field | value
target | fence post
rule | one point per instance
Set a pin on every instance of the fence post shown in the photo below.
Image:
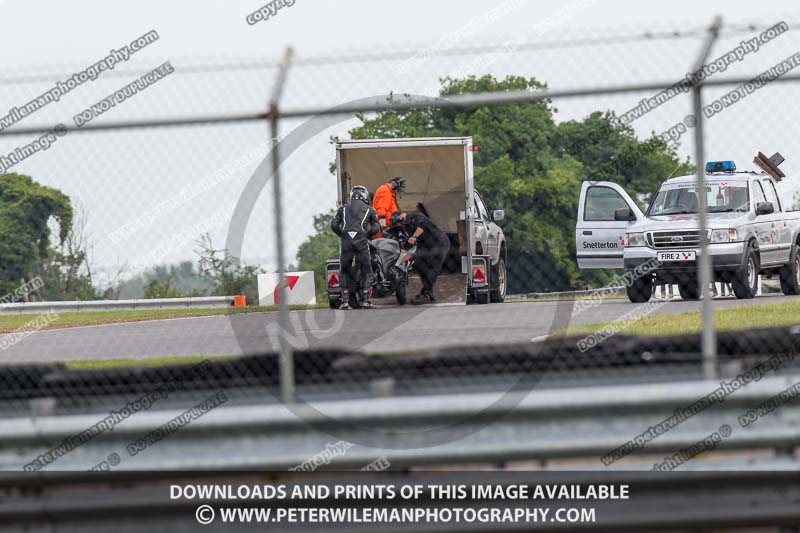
(286, 355)
(708, 335)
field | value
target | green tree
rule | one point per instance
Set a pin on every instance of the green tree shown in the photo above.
(228, 275)
(66, 271)
(26, 208)
(162, 289)
(532, 167)
(319, 247)
(175, 281)
(161, 281)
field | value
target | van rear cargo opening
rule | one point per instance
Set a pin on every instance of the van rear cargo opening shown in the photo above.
(439, 184)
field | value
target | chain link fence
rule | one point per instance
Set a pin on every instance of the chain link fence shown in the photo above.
(564, 180)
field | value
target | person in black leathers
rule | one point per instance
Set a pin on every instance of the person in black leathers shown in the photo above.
(432, 247)
(355, 223)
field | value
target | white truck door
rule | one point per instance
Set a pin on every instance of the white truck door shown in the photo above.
(780, 235)
(599, 238)
(483, 228)
(481, 231)
(765, 228)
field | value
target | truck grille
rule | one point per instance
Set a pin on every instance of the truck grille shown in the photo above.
(674, 239)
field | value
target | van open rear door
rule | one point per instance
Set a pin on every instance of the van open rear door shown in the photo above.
(599, 238)
(438, 174)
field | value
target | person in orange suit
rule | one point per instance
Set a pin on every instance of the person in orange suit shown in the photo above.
(385, 201)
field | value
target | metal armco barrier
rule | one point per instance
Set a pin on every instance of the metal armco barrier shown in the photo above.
(435, 430)
(588, 294)
(551, 363)
(116, 305)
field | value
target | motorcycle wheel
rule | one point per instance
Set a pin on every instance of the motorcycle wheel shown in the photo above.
(400, 292)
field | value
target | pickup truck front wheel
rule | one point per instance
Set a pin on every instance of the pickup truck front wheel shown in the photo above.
(690, 289)
(640, 290)
(790, 274)
(745, 283)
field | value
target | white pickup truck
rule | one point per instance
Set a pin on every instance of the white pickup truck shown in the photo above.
(753, 226)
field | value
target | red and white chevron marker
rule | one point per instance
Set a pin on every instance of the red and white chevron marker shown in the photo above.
(299, 285)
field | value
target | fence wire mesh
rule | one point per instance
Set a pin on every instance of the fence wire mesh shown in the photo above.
(570, 291)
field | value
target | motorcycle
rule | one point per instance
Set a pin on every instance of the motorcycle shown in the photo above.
(391, 262)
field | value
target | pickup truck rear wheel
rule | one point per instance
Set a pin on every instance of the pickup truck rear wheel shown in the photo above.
(745, 282)
(790, 274)
(640, 290)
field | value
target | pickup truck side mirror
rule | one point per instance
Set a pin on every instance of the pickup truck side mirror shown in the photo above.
(624, 213)
(764, 208)
(498, 215)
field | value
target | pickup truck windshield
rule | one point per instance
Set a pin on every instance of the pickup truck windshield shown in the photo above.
(721, 197)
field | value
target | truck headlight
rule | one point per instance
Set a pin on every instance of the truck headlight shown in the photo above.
(723, 235)
(635, 239)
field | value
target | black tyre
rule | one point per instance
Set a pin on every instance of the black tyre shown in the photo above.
(400, 292)
(640, 290)
(334, 303)
(790, 274)
(690, 289)
(482, 297)
(499, 282)
(745, 281)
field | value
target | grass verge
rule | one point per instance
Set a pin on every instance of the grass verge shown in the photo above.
(9, 323)
(728, 319)
(106, 364)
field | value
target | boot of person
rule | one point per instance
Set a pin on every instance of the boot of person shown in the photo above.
(421, 298)
(366, 301)
(345, 305)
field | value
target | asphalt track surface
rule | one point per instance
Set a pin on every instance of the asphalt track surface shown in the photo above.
(393, 329)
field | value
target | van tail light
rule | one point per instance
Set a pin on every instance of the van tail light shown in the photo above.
(479, 265)
(333, 279)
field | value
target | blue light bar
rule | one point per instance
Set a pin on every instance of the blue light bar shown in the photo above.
(720, 166)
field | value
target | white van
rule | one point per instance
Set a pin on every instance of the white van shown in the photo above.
(439, 183)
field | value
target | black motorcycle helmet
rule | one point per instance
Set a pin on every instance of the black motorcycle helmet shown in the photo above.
(398, 184)
(396, 219)
(359, 192)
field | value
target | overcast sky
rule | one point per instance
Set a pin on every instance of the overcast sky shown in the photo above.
(118, 176)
